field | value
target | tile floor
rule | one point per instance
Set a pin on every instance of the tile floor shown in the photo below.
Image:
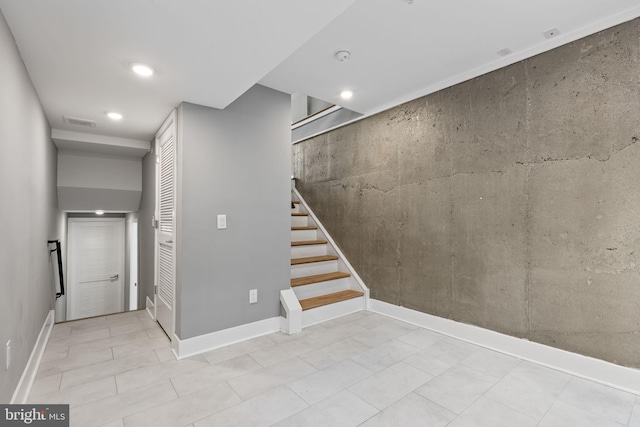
(359, 370)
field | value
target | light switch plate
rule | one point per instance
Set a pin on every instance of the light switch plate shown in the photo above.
(222, 222)
(253, 296)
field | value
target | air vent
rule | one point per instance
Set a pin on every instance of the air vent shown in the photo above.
(79, 122)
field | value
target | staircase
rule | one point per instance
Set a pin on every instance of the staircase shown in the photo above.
(320, 280)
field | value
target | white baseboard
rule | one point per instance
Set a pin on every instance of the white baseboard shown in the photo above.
(151, 308)
(332, 311)
(21, 393)
(202, 343)
(626, 379)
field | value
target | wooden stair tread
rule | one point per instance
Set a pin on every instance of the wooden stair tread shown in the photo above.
(296, 202)
(321, 300)
(310, 259)
(306, 227)
(308, 242)
(299, 214)
(317, 278)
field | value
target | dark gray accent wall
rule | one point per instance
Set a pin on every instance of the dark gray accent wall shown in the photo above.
(509, 201)
(28, 213)
(146, 232)
(236, 162)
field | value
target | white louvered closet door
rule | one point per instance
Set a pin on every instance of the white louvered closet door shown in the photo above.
(165, 246)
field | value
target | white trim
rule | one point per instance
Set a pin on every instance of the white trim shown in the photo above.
(333, 244)
(626, 379)
(292, 324)
(151, 308)
(21, 393)
(202, 343)
(315, 117)
(332, 311)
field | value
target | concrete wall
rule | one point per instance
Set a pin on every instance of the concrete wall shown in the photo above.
(89, 182)
(509, 201)
(236, 162)
(28, 213)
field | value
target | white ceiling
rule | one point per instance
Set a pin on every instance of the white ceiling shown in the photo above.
(209, 52)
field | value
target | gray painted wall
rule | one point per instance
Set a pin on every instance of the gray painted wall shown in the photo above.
(146, 232)
(236, 162)
(93, 181)
(28, 213)
(509, 201)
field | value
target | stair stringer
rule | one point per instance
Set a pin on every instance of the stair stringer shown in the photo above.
(321, 314)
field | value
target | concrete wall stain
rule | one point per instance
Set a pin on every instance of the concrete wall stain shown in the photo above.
(509, 201)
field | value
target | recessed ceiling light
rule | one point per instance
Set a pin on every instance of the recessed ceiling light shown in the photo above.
(142, 69)
(114, 116)
(346, 94)
(99, 212)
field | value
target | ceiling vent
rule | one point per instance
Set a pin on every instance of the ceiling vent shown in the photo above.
(79, 122)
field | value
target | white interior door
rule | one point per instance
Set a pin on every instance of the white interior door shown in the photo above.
(133, 264)
(165, 233)
(96, 267)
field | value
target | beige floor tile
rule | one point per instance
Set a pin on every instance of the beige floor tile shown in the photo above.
(153, 373)
(424, 379)
(270, 377)
(79, 338)
(487, 413)
(141, 346)
(599, 399)
(261, 411)
(412, 410)
(333, 353)
(457, 388)
(56, 353)
(45, 385)
(383, 333)
(212, 374)
(234, 350)
(276, 354)
(112, 408)
(107, 369)
(187, 409)
(390, 385)
(82, 394)
(328, 336)
(421, 338)
(323, 384)
(74, 362)
(343, 409)
(385, 355)
(165, 354)
(107, 342)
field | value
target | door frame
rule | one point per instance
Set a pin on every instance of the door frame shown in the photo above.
(71, 260)
(170, 122)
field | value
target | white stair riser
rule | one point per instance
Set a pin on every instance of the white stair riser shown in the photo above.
(310, 269)
(305, 251)
(298, 235)
(322, 288)
(296, 208)
(331, 311)
(299, 221)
